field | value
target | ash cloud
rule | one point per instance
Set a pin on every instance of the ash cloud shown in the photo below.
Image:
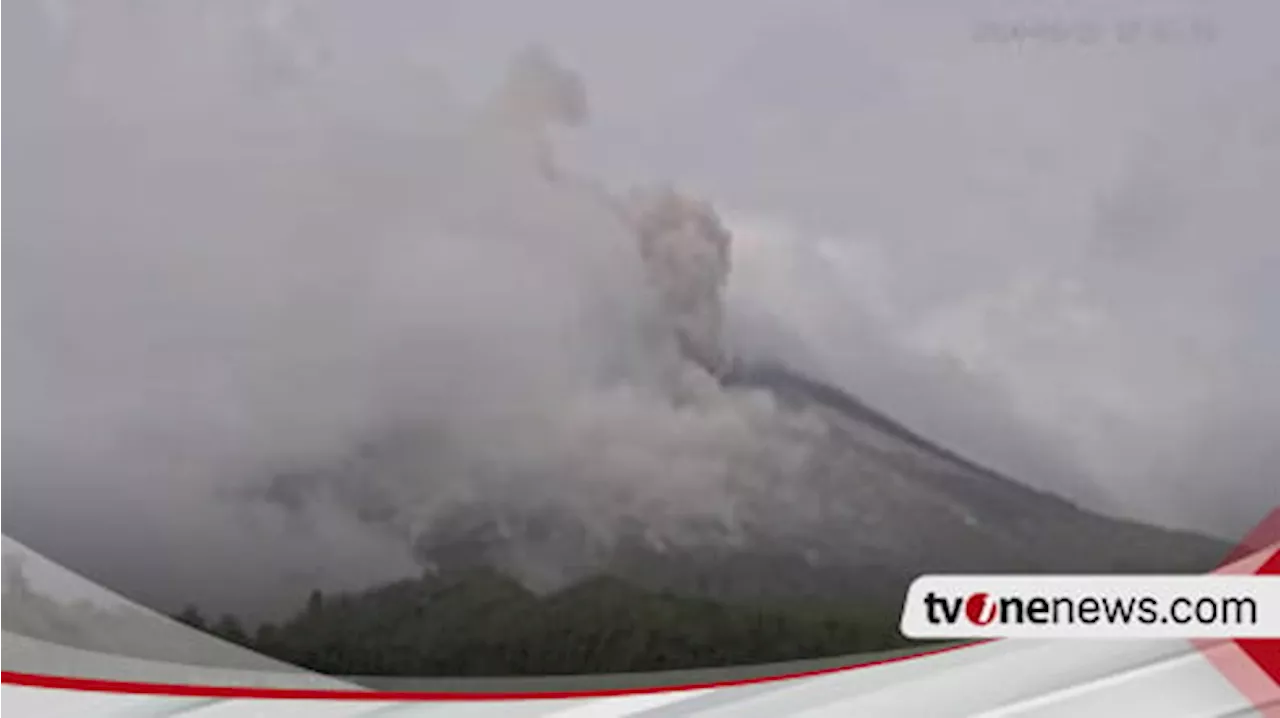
(686, 249)
(274, 249)
(222, 293)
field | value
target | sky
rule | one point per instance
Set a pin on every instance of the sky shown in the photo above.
(246, 233)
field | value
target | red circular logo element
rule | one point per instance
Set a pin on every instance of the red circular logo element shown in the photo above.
(979, 610)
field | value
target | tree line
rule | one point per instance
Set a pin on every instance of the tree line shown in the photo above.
(482, 623)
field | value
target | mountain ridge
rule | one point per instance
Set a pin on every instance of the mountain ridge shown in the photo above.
(890, 505)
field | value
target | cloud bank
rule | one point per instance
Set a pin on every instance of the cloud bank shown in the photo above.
(218, 289)
(257, 240)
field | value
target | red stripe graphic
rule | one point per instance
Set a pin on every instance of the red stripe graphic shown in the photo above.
(196, 691)
(1264, 653)
(1252, 665)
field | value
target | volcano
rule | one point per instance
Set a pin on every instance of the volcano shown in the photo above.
(876, 506)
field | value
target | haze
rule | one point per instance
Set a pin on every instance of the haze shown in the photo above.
(244, 237)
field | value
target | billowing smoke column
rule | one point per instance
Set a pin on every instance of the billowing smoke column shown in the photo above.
(682, 242)
(664, 448)
(686, 251)
(538, 93)
(538, 88)
(297, 332)
(277, 255)
(622, 456)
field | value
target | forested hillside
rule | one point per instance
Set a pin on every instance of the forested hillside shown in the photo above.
(484, 624)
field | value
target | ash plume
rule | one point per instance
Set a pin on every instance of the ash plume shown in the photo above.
(304, 296)
(537, 95)
(687, 251)
(372, 334)
(656, 442)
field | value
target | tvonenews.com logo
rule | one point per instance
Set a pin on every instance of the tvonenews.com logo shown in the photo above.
(983, 609)
(1092, 606)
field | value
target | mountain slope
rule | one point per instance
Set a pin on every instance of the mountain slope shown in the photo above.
(874, 506)
(816, 567)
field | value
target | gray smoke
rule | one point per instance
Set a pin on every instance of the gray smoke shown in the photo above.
(686, 249)
(276, 249)
(221, 292)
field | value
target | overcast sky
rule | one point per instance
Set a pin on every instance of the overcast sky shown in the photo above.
(1060, 255)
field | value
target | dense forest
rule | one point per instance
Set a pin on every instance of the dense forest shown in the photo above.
(482, 623)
